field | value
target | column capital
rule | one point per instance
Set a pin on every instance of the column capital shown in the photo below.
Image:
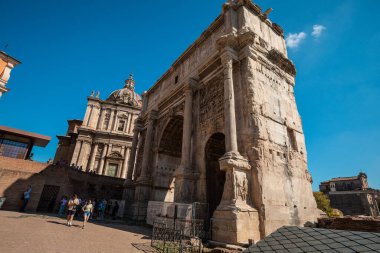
(228, 55)
(228, 40)
(191, 85)
(153, 115)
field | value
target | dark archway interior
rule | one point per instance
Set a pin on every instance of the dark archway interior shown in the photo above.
(215, 178)
(168, 159)
(171, 140)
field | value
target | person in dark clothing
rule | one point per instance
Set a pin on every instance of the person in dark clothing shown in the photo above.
(26, 198)
(115, 210)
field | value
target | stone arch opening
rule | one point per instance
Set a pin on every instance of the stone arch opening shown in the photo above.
(168, 159)
(215, 178)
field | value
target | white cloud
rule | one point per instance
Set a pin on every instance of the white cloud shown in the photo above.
(293, 40)
(317, 30)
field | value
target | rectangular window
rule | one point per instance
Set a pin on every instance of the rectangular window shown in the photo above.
(176, 80)
(13, 149)
(121, 126)
(112, 169)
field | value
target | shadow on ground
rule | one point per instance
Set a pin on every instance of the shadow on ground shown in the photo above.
(144, 231)
(145, 247)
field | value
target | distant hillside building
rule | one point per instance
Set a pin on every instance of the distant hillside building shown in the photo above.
(101, 143)
(7, 63)
(351, 195)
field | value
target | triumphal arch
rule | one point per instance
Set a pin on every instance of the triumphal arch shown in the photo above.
(221, 126)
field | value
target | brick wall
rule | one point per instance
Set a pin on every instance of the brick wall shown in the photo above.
(21, 165)
(16, 175)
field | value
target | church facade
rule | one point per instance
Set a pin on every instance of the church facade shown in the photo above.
(101, 142)
(222, 127)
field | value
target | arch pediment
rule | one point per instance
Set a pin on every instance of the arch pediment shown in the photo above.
(115, 155)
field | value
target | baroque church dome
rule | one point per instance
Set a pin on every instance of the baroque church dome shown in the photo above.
(126, 95)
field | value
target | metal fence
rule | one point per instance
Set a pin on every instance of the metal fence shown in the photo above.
(175, 239)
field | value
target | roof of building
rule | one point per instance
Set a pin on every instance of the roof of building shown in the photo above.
(337, 179)
(300, 239)
(126, 95)
(9, 58)
(38, 139)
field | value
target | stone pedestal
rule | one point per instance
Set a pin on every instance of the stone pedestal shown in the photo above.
(184, 186)
(138, 210)
(235, 221)
(235, 226)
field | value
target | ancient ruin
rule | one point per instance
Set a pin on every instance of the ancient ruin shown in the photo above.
(221, 127)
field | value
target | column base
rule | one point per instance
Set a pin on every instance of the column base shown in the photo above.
(137, 211)
(184, 185)
(235, 226)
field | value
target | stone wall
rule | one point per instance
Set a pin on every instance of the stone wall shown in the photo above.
(354, 203)
(16, 175)
(350, 224)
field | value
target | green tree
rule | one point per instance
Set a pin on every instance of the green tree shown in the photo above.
(323, 203)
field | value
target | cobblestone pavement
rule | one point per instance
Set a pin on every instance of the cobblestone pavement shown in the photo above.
(35, 233)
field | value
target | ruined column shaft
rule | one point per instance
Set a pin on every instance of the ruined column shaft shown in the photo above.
(186, 134)
(229, 102)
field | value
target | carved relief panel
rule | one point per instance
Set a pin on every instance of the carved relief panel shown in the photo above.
(211, 105)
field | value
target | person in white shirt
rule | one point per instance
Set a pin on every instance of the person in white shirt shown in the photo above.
(71, 209)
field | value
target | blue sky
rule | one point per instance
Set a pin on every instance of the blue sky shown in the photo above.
(69, 48)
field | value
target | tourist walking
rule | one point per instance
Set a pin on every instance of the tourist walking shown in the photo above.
(62, 206)
(72, 208)
(87, 210)
(26, 198)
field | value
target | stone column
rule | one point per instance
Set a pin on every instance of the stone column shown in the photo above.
(132, 156)
(109, 150)
(234, 211)
(229, 101)
(120, 168)
(183, 174)
(74, 159)
(83, 155)
(87, 115)
(101, 119)
(92, 157)
(138, 210)
(148, 146)
(130, 115)
(110, 123)
(114, 126)
(125, 163)
(102, 158)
